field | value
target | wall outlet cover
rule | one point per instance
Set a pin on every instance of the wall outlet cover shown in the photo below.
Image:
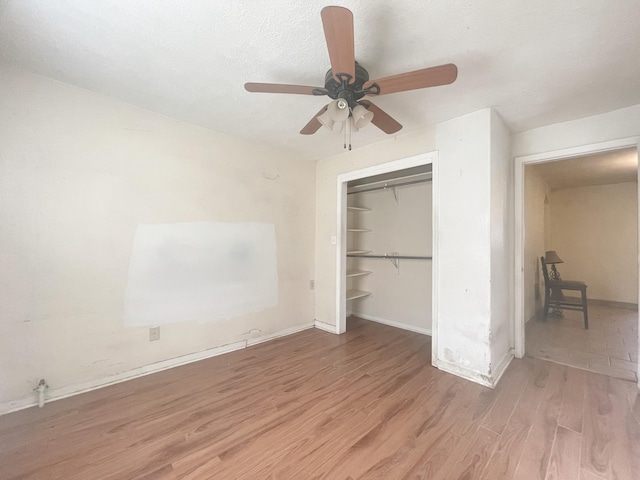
(154, 334)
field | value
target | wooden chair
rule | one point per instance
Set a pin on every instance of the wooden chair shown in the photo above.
(554, 296)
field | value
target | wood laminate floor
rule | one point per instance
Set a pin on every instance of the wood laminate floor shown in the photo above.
(363, 405)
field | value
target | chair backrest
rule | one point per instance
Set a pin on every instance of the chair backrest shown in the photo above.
(545, 272)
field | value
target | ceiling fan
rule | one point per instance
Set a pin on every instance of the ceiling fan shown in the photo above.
(347, 82)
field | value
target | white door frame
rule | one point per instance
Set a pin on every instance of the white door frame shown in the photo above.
(520, 163)
(341, 246)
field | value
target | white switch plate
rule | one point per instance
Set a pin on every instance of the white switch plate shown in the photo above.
(334, 240)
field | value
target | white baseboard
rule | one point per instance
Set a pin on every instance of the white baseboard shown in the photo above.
(490, 380)
(54, 394)
(464, 372)
(391, 323)
(501, 367)
(325, 326)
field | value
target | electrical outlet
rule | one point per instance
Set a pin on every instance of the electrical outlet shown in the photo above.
(312, 284)
(154, 334)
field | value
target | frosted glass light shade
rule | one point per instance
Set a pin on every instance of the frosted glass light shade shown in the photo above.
(361, 117)
(325, 120)
(338, 110)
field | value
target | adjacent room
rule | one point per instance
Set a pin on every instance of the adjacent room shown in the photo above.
(296, 240)
(586, 208)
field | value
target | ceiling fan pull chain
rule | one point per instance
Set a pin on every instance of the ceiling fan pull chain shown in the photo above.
(344, 130)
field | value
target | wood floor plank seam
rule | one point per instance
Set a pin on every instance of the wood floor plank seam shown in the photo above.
(363, 405)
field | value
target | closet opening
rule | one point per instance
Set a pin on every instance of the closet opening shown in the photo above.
(385, 254)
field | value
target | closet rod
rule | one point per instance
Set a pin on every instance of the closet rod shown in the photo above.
(401, 257)
(386, 187)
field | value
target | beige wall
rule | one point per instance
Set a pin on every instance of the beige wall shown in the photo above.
(536, 194)
(78, 173)
(402, 296)
(595, 231)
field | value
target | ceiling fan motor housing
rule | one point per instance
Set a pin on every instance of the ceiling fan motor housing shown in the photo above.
(351, 92)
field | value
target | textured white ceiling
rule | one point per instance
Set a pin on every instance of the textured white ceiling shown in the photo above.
(605, 168)
(536, 62)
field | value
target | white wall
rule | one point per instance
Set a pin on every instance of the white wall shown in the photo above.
(595, 231)
(400, 296)
(501, 235)
(536, 191)
(78, 173)
(469, 197)
(617, 124)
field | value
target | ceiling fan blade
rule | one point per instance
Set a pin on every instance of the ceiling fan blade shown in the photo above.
(382, 120)
(427, 77)
(338, 31)
(281, 88)
(314, 125)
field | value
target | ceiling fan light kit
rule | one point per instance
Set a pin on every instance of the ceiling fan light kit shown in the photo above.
(361, 116)
(338, 110)
(326, 120)
(347, 83)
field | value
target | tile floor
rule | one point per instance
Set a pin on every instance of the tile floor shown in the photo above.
(610, 346)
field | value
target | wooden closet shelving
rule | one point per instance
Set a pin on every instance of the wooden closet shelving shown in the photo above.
(354, 293)
(358, 252)
(357, 273)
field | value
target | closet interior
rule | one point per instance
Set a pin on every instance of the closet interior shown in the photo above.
(389, 235)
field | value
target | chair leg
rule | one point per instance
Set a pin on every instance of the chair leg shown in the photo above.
(584, 309)
(545, 312)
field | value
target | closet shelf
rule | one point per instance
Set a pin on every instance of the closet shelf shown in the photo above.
(358, 229)
(358, 209)
(357, 252)
(357, 273)
(388, 186)
(353, 294)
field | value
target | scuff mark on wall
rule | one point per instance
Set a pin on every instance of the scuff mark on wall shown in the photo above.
(270, 175)
(253, 333)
